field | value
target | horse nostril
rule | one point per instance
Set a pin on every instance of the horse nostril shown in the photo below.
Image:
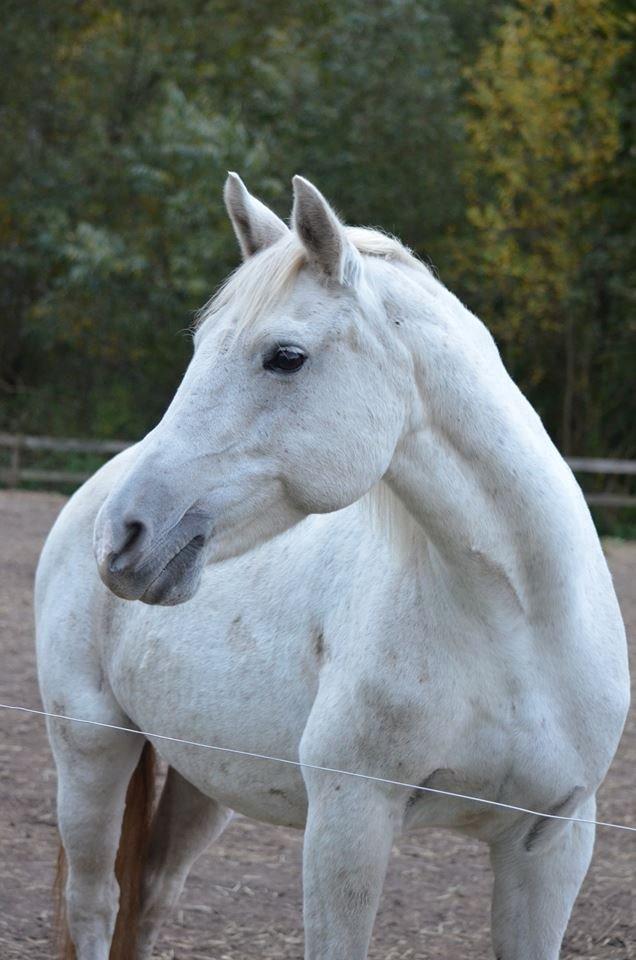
(135, 530)
(133, 535)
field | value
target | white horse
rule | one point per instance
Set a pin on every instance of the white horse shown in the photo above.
(385, 567)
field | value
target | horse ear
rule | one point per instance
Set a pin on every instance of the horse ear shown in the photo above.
(255, 225)
(322, 234)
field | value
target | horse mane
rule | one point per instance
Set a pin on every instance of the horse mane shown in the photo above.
(264, 279)
(390, 519)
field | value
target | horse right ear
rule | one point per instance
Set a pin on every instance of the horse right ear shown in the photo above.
(322, 234)
(255, 225)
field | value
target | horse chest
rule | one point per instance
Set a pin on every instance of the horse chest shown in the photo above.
(422, 716)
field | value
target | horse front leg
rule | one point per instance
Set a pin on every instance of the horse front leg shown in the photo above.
(94, 768)
(350, 828)
(538, 873)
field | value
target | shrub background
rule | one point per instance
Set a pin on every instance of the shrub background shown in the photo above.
(495, 139)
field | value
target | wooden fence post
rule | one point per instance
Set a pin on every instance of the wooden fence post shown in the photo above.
(13, 477)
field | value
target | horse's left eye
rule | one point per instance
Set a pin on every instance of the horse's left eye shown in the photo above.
(285, 359)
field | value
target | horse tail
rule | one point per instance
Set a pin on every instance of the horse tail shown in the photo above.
(65, 948)
(129, 865)
(132, 854)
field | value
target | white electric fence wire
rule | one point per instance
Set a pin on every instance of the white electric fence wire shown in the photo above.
(315, 766)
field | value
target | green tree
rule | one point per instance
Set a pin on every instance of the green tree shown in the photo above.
(544, 136)
(121, 119)
(110, 211)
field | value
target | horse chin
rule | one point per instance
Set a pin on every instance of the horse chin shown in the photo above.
(179, 580)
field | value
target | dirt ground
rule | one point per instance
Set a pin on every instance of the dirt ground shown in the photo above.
(243, 898)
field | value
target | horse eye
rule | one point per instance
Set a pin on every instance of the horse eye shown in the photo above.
(285, 359)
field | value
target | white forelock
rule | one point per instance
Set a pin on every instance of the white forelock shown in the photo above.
(264, 280)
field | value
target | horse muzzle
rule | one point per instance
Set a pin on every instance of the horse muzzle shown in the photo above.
(136, 562)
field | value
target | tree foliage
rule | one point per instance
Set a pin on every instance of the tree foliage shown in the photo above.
(494, 139)
(544, 137)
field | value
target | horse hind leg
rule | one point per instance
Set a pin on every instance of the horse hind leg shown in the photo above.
(185, 823)
(538, 875)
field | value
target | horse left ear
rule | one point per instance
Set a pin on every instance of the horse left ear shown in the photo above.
(322, 234)
(255, 225)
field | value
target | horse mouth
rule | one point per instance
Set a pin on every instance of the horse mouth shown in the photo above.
(164, 571)
(178, 580)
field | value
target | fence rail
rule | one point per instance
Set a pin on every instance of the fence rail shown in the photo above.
(16, 444)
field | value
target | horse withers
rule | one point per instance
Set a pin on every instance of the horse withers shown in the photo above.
(349, 542)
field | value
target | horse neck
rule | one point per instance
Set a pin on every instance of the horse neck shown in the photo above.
(497, 508)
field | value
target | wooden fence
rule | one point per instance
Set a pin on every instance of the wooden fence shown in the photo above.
(17, 444)
(15, 472)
